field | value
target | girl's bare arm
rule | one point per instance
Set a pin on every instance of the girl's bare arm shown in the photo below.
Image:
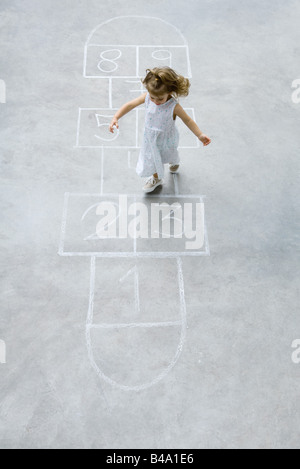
(180, 112)
(125, 109)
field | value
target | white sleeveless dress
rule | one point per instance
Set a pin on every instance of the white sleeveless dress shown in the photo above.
(161, 139)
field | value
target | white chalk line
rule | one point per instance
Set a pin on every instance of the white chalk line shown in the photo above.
(138, 195)
(64, 224)
(92, 291)
(170, 46)
(102, 171)
(107, 139)
(134, 238)
(124, 147)
(138, 254)
(95, 236)
(163, 58)
(167, 48)
(99, 26)
(207, 248)
(136, 325)
(137, 64)
(90, 326)
(127, 274)
(85, 60)
(129, 160)
(134, 271)
(88, 210)
(113, 60)
(115, 77)
(90, 318)
(137, 290)
(176, 188)
(141, 90)
(106, 124)
(110, 93)
(116, 109)
(170, 216)
(78, 128)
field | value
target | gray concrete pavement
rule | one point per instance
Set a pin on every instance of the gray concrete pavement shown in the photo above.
(213, 366)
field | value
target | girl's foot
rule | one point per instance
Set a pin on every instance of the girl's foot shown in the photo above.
(173, 168)
(152, 183)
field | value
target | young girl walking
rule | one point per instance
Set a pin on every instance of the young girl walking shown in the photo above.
(161, 137)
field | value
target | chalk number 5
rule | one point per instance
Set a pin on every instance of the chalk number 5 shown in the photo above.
(103, 121)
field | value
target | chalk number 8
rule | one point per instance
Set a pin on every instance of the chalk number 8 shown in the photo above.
(108, 58)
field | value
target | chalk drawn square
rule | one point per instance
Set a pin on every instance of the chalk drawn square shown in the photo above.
(93, 129)
(124, 90)
(110, 61)
(2, 92)
(136, 291)
(176, 57)
(119, 171)
(79, 232)
(134, 231)
(168, 226)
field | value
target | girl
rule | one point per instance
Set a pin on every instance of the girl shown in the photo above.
(161, 138)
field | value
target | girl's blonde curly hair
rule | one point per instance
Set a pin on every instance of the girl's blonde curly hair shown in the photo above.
(162, 80)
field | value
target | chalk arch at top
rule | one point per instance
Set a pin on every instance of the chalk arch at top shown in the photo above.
(125, 46)
(136, 30)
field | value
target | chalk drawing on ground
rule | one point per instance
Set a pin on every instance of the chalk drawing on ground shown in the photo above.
(93, 125)
(2, 352)
(2, 92)
(132, 53)
(138, 345)
(80, 219)
(120, 66)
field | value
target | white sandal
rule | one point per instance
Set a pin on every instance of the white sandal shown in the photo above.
(152, 183)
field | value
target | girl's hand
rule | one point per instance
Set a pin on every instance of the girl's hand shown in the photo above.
(114, 123)
(204, 139)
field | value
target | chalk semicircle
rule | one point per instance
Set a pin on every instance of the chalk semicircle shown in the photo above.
(136, 30)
